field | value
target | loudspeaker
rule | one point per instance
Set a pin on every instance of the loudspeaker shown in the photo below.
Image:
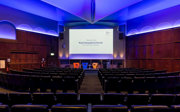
(121, 36)
(61, 35)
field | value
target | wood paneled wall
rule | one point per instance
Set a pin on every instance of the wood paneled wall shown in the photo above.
(28, 50)
(158, 50)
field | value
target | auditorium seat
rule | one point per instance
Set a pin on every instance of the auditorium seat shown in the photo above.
(177, 99)
(4, 108)
(162, 99)
(23, 83)
(34, 82)
(126, 84)
(139, 84)
(45, 83)
(93, 98)
(29, 108)
(69, 108)
(176, 105)
(71, 83)
(150, 108)
(4, 99)
(20, 98)
(175, 108)
(150, 84)
(111, 83)
(109, 108)
(66, 98)
(137, 99)
(57, 83)
(173, 84)
(114, 98)
(44, 98)
(162, 84)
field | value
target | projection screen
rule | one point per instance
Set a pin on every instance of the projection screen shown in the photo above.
(91, 43)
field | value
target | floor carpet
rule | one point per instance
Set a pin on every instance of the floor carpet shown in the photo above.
(91, 83)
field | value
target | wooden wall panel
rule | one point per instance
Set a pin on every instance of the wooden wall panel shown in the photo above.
(150, 64)
(177, 50)
(176, 65)
(156, 50)
(176, 33)
(28, 49)
(149, 51)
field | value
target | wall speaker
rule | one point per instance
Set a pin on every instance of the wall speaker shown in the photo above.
(61, 36)
(121, 36)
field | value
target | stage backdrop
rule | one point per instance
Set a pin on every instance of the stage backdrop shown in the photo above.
(118, 46)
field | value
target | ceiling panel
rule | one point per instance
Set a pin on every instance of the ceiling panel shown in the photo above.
(80, 8)
(105, 8)
(91, 11)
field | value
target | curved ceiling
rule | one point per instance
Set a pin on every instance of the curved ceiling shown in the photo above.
(68, 12)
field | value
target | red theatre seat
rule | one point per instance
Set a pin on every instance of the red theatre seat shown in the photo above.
(76, 65)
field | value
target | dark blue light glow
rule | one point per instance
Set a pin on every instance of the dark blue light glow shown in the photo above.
(161, 20)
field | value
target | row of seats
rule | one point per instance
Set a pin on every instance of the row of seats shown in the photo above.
(93, 98)
(152, 84)
(133, 74)
(155, 83)
(48, 72)
(129, 71)
(33, 82)
(84, 108)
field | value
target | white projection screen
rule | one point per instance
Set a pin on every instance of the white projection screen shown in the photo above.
(91, 43)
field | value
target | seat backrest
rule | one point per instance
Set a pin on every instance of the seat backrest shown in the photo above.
(175, 108)
(93, 98)
(43, 98)
(177, 99)
(69, 108)
(66, 98)
(162, 99)
(137, 99)
(29, 108)
(147, 108)
(4, 99)
(20, 98)
(109, 108)
(4, 108)
(114, 98)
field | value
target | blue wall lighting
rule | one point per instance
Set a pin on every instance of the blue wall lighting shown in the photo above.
(37, 31)
(7, 30)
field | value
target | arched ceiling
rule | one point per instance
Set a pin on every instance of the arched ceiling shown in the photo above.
(74, 12)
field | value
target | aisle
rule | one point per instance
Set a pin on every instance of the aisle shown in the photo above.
(91, 84)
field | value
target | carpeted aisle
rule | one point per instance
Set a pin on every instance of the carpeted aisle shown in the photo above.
(91, 83)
